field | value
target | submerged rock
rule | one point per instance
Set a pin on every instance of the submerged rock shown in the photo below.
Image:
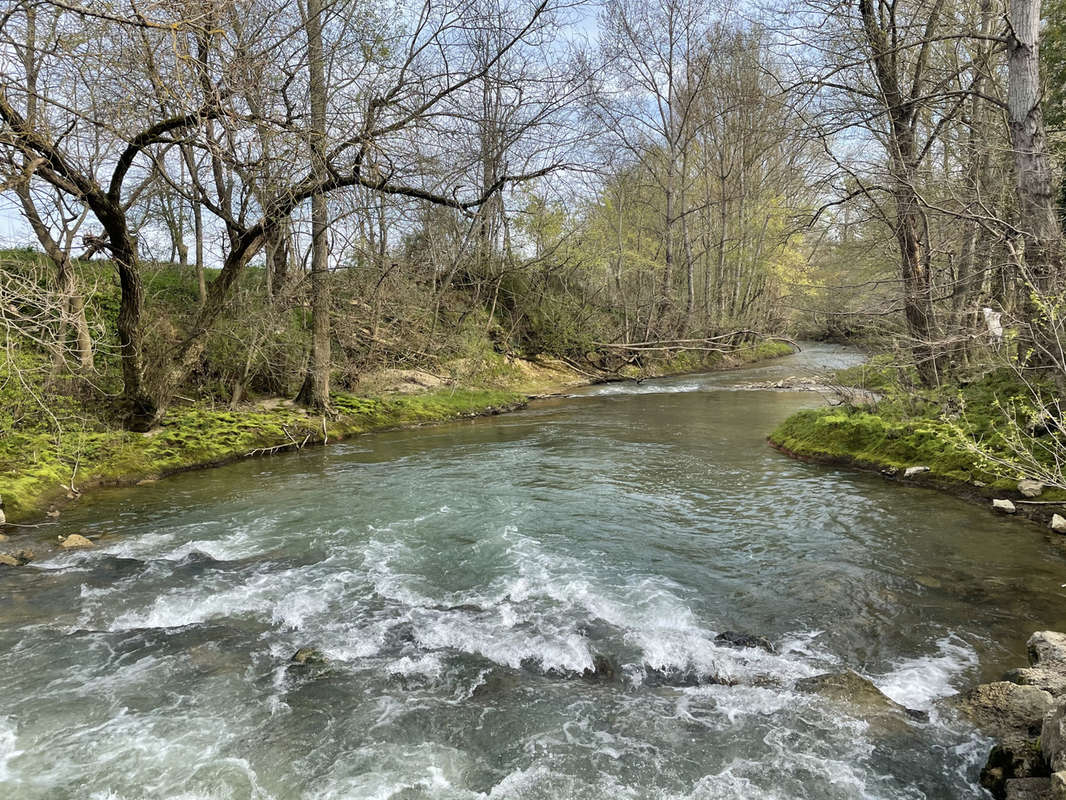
(1030, 488)
(75, 540)
(1058, 523)
(683, 677)
(743, 640)
(8, 560)
(910, 472)
(1004, 506)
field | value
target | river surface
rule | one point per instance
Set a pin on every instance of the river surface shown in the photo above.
(460, 578)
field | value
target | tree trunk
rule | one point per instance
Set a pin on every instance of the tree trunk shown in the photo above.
(1034, 180)
(315, 390)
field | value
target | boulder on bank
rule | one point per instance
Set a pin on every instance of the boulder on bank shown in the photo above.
(1047, 649)
(1003, 506)
(1053, 738)
(1052, 681)
(910, 472)
(743, 640)
(1030, 488)
(1006, 710)
(1057, 791)
(75, 540)
(1014, 715)
(1027, 789)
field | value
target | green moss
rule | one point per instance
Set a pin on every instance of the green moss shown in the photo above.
(36, 466)
(933, 428)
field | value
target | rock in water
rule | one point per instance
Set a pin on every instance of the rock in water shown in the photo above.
(602, 669)
(8, 560)
(1058, 523)
(1030, 488)
(910, 472)
(75, 540)
(741, 640)
(1004, 506)
(308, 656)
(870, 703)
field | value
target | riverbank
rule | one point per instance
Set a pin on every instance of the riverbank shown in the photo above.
(42, 472)
(952, 441)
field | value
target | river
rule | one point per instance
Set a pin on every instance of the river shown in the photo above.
(459, 579)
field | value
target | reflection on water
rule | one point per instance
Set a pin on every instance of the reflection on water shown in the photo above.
(461, 579)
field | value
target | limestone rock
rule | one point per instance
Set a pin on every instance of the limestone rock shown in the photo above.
(1028, 788)
(3, 517)
(1030, 488)
(17, 559)
(1047, 649)
(1052, 681)
(910, 472)
(1058, 523)
(1057, 791)
(1005, 506)
(75, 540)
(1014, 715)
(1053, 738)
(1005, 710)
(1008, 763)
(742, 640)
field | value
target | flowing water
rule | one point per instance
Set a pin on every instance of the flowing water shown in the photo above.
(459, 579)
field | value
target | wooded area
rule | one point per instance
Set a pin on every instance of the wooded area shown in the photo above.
(289, 194)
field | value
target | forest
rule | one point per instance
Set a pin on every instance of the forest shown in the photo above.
(211, 202)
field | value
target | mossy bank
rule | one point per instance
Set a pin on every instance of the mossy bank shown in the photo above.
(954, 439)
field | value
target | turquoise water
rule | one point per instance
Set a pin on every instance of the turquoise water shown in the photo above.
(459, 580)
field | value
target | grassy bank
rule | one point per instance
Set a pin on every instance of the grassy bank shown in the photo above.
(962, 434)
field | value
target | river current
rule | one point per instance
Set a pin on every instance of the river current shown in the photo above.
(459, 579)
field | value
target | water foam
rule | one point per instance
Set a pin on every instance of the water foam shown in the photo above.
(919, 682)
(8, 751)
